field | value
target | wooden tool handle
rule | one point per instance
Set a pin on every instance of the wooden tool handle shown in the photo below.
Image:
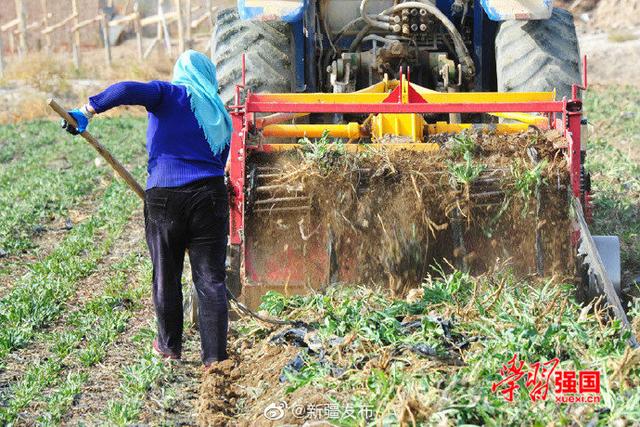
(115, 164)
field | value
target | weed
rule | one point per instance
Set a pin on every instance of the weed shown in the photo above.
(466, 172)
(322, 151)
(501, 314)
(527, 182)
(460, 145)
(136, 380)
(621, 36)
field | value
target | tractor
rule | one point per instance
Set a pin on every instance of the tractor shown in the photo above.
(338, 46)
(360, 70)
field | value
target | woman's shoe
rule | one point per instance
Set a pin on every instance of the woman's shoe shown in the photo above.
(156, 349)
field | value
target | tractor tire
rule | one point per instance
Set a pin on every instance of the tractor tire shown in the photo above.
(268, 48)
(539, 55)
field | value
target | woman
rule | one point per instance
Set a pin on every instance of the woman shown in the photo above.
(186, 203)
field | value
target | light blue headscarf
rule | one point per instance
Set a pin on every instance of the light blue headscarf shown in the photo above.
(197, 73)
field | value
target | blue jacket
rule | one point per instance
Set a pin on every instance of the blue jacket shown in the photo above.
(178, 151)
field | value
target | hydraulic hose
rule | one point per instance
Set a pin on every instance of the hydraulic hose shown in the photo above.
(468, 67)
(246, 310)
(369, 20)
(358, 39)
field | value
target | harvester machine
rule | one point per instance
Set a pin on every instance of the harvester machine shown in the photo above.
(392, 76)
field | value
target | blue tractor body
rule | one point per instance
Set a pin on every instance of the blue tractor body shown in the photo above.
(477, 20)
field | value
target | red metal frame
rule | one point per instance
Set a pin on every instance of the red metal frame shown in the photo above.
(255, 104)
(237, 153)
(243, 118)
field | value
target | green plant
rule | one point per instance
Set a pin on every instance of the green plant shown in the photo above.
(461, 144)
(39, 186)
(136, 380)
(45, 173)
(467, 171)
(91, 329)
(39, 296)
(62, 398)
(528, 180)
(323, 151)
(500, 314)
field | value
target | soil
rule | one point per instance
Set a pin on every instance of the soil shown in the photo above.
(609, 35)
(250, 388)
(612, 62)
(228, 3)
(178, 406)
(239, 390)
(603, 15)
(577, 7)
(616, 15)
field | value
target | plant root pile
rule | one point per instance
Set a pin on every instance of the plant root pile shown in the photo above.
(388, 217)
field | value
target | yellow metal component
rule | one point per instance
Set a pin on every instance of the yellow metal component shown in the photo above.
(529, 119)
(405, 91)
(359, 148)
(444, 127)
(384, 86)
(431, 97)
(326, 98)
(409, 125)
(350, 130)
(481, 97)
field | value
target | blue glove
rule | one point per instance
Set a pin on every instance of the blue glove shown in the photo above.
(81, 120)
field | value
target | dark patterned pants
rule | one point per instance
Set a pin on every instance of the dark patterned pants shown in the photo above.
(193, 217)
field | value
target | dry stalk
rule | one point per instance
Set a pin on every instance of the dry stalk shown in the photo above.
(472, 301)
(630, 359)
(406, 410)
(383, 227)
(303, 236)
(415, 187)
(598, 310)
(494, 296)
(548, 308)
(563, 308)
